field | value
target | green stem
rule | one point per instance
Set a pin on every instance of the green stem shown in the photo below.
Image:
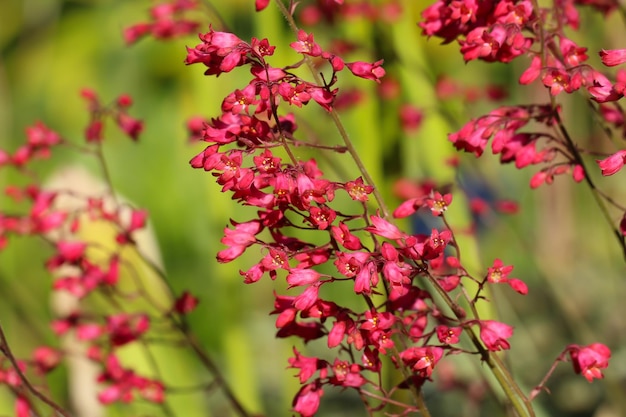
(6, 350)
(594, 189)
(337, 121)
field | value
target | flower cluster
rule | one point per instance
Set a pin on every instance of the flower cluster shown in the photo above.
(503, 31)
(413, 299)
(84, 267)
(250, 153)
(167, 21)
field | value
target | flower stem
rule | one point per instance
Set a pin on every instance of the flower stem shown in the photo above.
(594, 189)
(337, 121)
(6, 350)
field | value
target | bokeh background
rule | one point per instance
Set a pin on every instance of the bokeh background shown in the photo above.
(559, 242)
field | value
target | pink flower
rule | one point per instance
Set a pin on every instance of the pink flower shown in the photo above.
(131, 126)
(448, 335)
(344, 237)
(422, 359)
(307, 400)
(612, 57)
(494, 334)
(499, 274)
(22, 406)
(358, 190)
(306, 44)
(238, 239)
(373, 71)
(261, 4)
(613, 163)
(346, 374)
(46, 358)
(382, 227)
(123, 328)
(185, 304)
(578, 173)
(302, 276)
(307, 299)
(590, 360)
(308, 365)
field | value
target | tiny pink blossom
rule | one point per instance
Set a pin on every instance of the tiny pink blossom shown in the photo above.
(578, 173)
(306, 44)
(306, 300)
(301, 276)
(22, 406)
(613, 163)
(590, 360)
(448, 335)
(613, 57)
(307, 400)
(261, 4)
(382, 227)
(369, 71)
(495, 334)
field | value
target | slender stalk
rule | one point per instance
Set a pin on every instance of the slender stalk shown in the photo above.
(513, 392)
(105, 172)
(204, 358)
(6, 350)
(594, 189)
(518, 400)
(337, 121)
(212, 367)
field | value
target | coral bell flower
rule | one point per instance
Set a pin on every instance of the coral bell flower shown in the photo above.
(613, 163)
(613, 57)
(494, 334)
(590, 360)
(369, 71)
(238, 239)
(307, 400)
(499, 273)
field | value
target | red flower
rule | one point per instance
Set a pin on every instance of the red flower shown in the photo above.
(186, 303)
(422, 359)
(306, 44)
(438, 203)
(308, 366)
(613, 163)
(123, 328)
(346, 374)
(307, 299)
(307, 400)
(373, 71)
(590, 360)
(22, 406)
(499, 274)
(131, 126)
(124, 382)
(343, 236)
(238, 239)
(40, 136)
(261, 4)
(448, 335)
(382, 227)
(302, 276)
(46, 359)
(613, 57)
(357, 189)
(494, 334)
(366, 279)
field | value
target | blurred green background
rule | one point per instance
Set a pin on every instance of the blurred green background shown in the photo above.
(559, 243)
